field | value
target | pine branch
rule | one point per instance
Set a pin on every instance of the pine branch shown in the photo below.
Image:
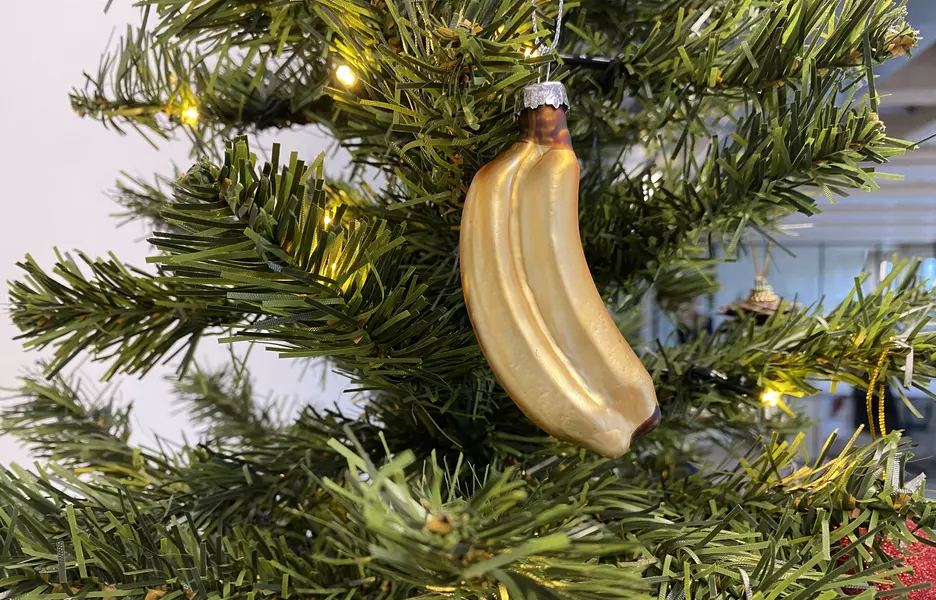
(58, 421)
(326, 283)
(155, 83)
(574, 527)
(222, 402)
(472, 533)
(114, 542)
(236, 475)
(120, 314)
(772, 165)
(144, 201)
(261, 254)
(701, 50)
(271, 480)
(734, 48)
(791, 353)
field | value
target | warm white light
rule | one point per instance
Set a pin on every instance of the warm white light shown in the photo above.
(326, 219)
(345, 75)
(190, 116)
(530, 52)
(770, 398)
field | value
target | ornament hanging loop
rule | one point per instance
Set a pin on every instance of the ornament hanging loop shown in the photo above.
(544, 49)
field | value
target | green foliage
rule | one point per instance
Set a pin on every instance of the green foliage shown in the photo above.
(792, 353)
(399, 526)
(120, 313)
(153, 77)
(143, 201)
(266, 244)
(222, 402)
(714, 119)
(60, 422)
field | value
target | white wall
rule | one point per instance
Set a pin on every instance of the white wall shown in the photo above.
(55, 168)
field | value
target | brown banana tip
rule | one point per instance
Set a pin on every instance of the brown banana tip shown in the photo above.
(648, 425)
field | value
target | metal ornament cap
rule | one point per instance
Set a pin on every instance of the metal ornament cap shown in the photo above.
(549, 93)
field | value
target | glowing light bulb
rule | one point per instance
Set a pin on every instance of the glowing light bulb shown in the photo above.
(530, 52)
(770, 398)
(326, 219)
(345, 75)
(190, 116)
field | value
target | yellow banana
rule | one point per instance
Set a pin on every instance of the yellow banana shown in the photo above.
(537, 314)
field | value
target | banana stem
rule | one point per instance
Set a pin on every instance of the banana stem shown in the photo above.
(545, 125)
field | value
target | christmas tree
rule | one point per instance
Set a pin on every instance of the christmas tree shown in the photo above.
(697, 123)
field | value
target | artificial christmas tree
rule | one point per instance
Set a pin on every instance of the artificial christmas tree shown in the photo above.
(696, 122)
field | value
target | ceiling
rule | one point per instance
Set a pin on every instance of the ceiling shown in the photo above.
(902, 211)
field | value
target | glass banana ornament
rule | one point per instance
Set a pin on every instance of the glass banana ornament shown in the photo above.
(538, 316)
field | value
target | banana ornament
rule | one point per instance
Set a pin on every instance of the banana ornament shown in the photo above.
(538, 316)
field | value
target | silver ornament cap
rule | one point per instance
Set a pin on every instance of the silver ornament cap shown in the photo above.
(551, 93)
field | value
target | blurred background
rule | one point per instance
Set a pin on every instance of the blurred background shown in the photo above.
(57, 169)
(864, 233)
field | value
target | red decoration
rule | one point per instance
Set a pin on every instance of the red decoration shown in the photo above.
(917, 555)
(923, 560)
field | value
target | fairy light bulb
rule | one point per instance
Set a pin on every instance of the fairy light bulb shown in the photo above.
(345, 75)
(326, 219)
(190, 116)
(770, 398)
(530, 52)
